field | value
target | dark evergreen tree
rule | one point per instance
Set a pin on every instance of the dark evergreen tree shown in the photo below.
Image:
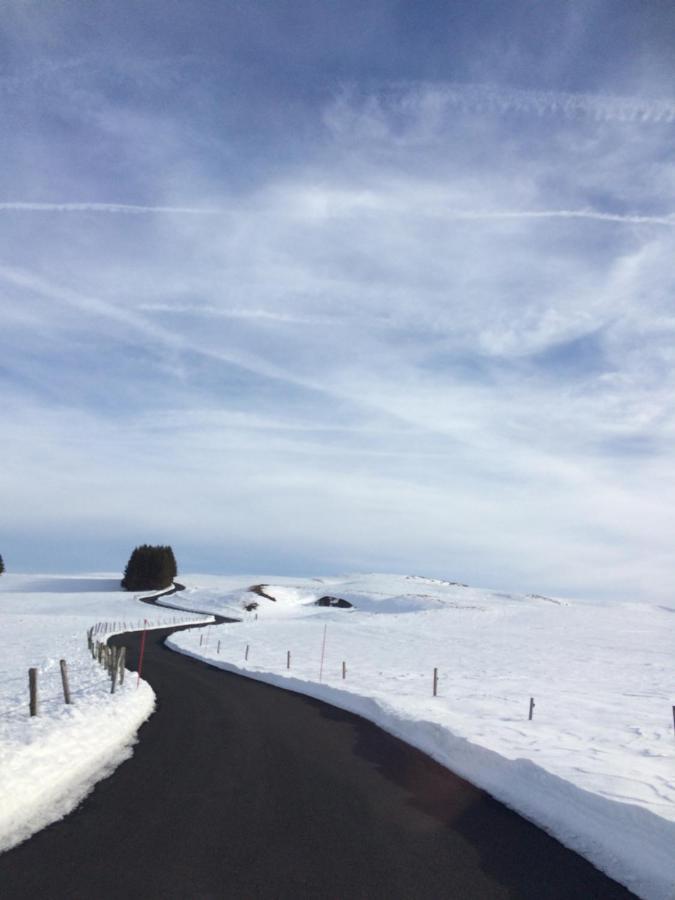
(2, 566)
(150, 568)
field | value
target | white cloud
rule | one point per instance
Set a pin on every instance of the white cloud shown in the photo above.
(373, 350)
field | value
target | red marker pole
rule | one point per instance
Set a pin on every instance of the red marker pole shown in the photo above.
(140, 659)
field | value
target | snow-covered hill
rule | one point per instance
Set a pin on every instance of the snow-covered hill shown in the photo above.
(595, 766)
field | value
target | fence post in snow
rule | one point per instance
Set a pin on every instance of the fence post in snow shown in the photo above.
(201, 638)
(64, 680)
(288, 659)
(531, 709)
(246, 654)
(122, 660)
(113, 670)
(435, 682)
(218, 650)
(344, 670)
(33, 688)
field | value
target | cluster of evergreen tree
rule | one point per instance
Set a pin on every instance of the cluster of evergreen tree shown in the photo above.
(2, 566)
(150, 569)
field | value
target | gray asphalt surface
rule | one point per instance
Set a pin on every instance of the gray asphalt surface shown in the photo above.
(242, 790)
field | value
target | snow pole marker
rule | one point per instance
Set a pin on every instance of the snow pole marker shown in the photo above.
(531, 709)
(344, 670)
(246, 653)
(288, 659)
(140, 660)
(435, 682)
(323, 651)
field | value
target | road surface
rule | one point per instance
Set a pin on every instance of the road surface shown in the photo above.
(242, 790)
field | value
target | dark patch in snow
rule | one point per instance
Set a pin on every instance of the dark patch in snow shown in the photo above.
(259, 589)
(335, 602)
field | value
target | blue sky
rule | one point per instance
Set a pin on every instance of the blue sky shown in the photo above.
(314, 286)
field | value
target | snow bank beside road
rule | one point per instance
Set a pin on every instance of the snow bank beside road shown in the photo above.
(50, 762)
(596, 766)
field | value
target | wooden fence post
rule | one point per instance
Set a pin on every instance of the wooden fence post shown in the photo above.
(33, 688)
(122, 660)
(113, 669)
(531, 709)
(344, 670)
(288, 659)
(64, 681)
(435, 682)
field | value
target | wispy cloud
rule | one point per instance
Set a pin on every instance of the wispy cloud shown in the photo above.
(436, 335)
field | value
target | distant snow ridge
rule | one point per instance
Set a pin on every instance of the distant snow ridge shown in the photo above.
(596, 765)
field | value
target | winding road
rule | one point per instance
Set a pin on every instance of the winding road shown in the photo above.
(237, 789)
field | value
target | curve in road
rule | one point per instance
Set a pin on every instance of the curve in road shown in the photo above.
(238, 789)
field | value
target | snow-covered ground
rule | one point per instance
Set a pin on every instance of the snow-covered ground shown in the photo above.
(595, 766)
(50, 762)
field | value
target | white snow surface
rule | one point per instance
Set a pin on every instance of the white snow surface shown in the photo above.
(50, 762)
(596, 765)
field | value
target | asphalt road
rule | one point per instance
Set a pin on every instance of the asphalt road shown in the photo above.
(241, 790)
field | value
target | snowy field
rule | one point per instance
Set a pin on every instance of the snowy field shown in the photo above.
(50, 762)
(596, 765)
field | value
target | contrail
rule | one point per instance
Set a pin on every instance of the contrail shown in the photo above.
(468, 215)
(128, 208)
(428, 103)
(604, 107)
(627, 219)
